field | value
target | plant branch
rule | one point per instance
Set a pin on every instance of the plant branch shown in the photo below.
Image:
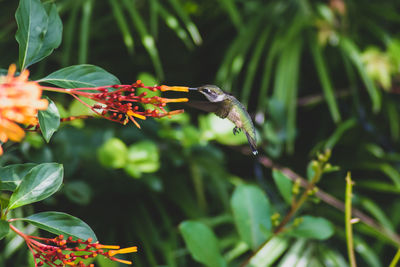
(348, 226)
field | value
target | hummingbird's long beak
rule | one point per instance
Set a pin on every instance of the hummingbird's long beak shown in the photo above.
(193, 88)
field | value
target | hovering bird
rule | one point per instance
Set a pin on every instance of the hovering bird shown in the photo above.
(225, 105)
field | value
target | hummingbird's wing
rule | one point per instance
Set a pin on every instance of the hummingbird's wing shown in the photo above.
(204, 105)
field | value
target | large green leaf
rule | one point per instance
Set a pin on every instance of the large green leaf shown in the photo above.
(39, 31)
(49, 120)
(32, 21)
(77, 76)
(11, 175)
(53, 36)
(60, 223)
(313, 227)
(39, 183)
(202, 243)
(251, 211)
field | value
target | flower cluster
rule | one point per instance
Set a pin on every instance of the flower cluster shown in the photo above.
(20, 101)
(119, 102)
(61, 251)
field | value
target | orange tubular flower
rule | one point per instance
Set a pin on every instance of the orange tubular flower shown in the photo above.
(119, 102)
(19, 103)
(61, 251)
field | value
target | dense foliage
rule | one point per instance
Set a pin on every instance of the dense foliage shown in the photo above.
(320, 79)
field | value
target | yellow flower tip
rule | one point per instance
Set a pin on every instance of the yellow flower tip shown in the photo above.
(164, 88)
(122, 251)
(11, 70)
(123, 261)
(131, 113)
(175, 100)
(106, 246)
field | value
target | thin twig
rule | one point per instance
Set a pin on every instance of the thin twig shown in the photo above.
(348, 225)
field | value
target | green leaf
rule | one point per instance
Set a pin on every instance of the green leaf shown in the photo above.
(39, 183)
(11, 175)
(313, 227)
(84, 75)
(143, 157)
(39, 31)
(251, 211)
(78, 192)
(53, 36)
(352, 52)
(113, 153)
(284, 185)
(49, 120)
(32, 21)
(60, 223)
(269, 252)
(202, 243)
(4, 229)
(325, 80)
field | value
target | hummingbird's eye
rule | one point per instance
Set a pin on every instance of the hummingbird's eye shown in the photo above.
(207, 91)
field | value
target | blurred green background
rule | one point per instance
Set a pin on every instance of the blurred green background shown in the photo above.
(313, 74)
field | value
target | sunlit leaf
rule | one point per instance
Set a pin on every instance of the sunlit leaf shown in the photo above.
(39, 183)
(60, 223)
(80, 76)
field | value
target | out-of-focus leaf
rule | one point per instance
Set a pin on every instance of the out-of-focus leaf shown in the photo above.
(122, 25)
(113, 154)
(87, 9)
(202, 243)
(49, 120)
(233, 12)
(147, 40)
(213, 127)
(11, 175)
(80, 76)
(60, 223)
(338, 133)
(313, 227)
(4, 228)
(270, 252)
(284, 185)
(377, 212)
(173, 23)
(251, 211)
(367, 253)
(352, 52)
(142, 157)
(325, 80)
(39, 183)
(253, 64)
(78, 192)
(298, 253)
(190, 26)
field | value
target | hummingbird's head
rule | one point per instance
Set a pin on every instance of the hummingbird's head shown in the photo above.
(212, 92)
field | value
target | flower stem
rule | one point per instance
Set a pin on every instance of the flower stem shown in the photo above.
(395, 259)
(347, 216)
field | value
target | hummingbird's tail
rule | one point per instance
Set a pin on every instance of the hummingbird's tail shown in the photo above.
(252, 143)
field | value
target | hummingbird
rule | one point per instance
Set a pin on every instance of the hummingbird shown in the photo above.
(225, 105)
